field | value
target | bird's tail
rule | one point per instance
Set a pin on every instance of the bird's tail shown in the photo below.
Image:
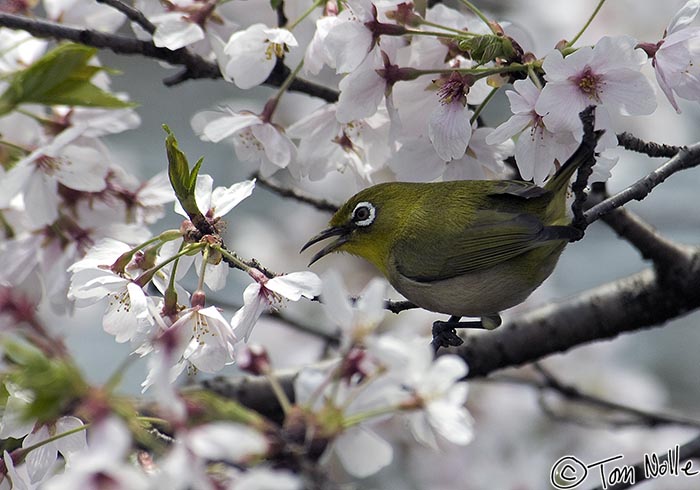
(584, 153)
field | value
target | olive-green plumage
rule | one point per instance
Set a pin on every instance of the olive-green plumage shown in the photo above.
(465, 248)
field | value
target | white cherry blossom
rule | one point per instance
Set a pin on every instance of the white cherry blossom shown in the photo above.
(676, 58)
(253, 52)
(607, 74)
(266, 292)
(254, 138)
(537, 149)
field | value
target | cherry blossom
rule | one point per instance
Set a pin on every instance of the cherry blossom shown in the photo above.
(214, 203)
(675, 57)
(253, 52)
(356, 319)
(102, 462)
(128, 316)
(450, 126)
(606, 74)
(266, 292)
(537, 149)
(211, 338)
(43, 459)
(327, 145)
(432, 385)
(254, 138)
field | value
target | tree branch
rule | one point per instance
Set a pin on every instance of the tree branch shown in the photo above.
(631, 142)
(320, 204)
(633, 303)
(195, 67)
(686, 158)
(134, 15)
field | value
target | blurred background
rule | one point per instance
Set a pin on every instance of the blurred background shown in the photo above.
(515, 443)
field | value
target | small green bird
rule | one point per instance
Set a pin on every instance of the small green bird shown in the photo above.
(465, 248)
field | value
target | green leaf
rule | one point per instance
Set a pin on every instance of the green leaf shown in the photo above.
(182, 181)
(55, 383)
(62, 76)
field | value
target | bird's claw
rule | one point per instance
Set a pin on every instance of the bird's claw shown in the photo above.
(445, 335)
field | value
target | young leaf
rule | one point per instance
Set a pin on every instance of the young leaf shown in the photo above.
(182, 181)
(60, 77)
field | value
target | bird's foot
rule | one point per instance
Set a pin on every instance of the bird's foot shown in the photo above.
(445, 333)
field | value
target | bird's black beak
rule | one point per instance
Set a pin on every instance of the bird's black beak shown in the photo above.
(343, 234)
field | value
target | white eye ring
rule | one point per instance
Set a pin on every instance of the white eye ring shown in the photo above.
(369, 219)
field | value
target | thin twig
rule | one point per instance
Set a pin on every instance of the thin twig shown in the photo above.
(632, 143)
(652, 419)
(320, 204)
(131, 13)
(195, 67)
(588, 143)
(686, 158)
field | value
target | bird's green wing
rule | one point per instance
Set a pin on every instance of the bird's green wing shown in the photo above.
(490, 238)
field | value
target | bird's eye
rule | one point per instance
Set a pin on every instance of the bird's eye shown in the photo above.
(363, 214)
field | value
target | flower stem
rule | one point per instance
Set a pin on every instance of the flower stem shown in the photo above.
(533, 76)
(479, 14)
(146, 276)
(313, 7)
(116, 377)
(54, 438)
(279, 392)
(233, 258)
(288, 81)
(483, 104)
(414, 32)
(450, 29)
(585, 26)
(203, 270)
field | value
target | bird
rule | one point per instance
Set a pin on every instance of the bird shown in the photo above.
(466, 248)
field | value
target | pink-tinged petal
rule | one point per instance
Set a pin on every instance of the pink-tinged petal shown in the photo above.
(559, 105)
(450, 129)
(666, 89)
(82, 168)
(213, 441)
(281, 36)
(452, 422)
(515, 125)
(254, 304)
(12, 182)
(362, 452)
(348, 44)
(360, 92)
(278, 149)
(42, 459)
(630, 91)
(41, 199)
(335, 300)
(295, 285)
(250, 61)
(215, 274)
(558, 68)
(684, 16)
(225, 199)
(215, 126)
(69, 445)
(524, 98)
(416, 161)
(615, 53)
(422, 430)
(175, 32)
(371, 301)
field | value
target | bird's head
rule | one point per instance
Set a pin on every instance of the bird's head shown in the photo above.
(367, 225)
